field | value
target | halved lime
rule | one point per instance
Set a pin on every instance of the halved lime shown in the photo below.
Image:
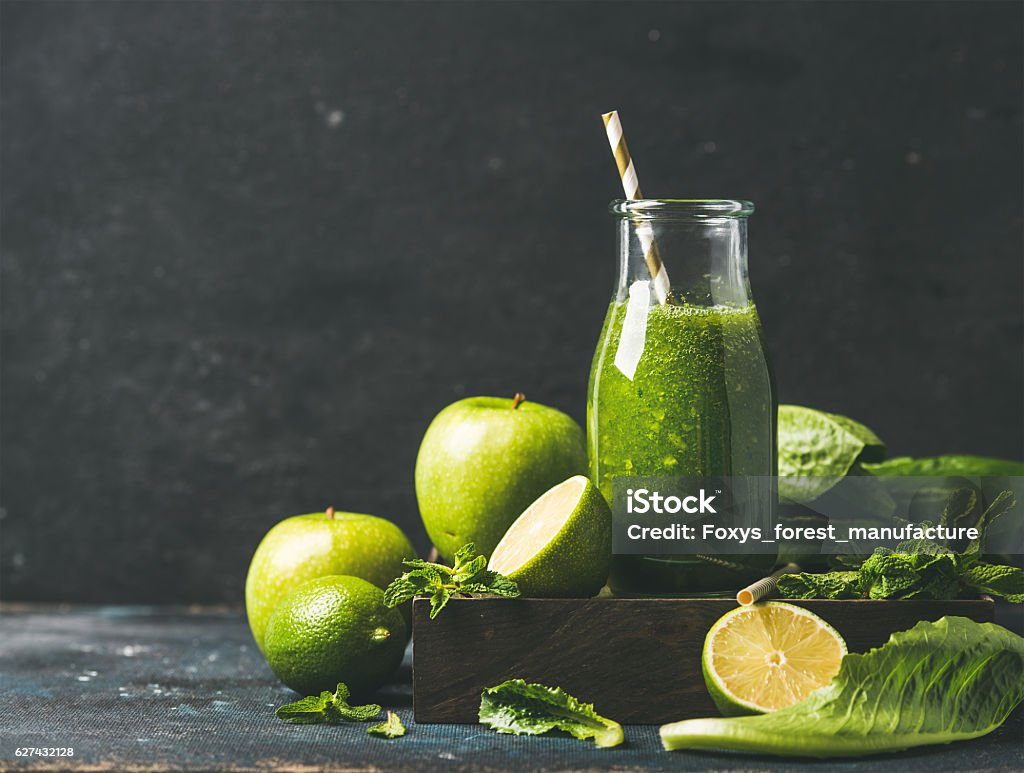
(561, 545)
(768, 656)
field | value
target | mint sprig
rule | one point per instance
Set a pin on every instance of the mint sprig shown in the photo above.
(468, 575)
(327, 708)
(391, 727)
(921, 568)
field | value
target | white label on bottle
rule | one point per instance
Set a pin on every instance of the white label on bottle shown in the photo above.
(634, 329)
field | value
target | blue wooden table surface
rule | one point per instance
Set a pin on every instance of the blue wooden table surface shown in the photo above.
(186, 689)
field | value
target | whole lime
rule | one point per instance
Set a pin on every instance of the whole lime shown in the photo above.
(334, 629)
(305, 547)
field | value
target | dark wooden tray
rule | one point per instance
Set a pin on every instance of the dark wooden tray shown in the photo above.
(636, 660)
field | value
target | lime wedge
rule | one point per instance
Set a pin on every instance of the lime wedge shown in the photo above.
(561, 545)
(768, 656)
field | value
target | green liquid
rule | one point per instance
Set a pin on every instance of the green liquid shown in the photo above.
(701, 403)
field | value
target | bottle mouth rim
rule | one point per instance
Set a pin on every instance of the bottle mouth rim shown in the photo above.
(681, 209)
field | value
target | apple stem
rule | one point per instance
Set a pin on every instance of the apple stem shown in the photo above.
(518, 400)
(329, 513)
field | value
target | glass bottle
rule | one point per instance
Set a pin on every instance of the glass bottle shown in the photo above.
(680, 383)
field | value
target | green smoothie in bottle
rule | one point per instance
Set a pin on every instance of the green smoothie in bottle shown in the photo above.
(680, 383)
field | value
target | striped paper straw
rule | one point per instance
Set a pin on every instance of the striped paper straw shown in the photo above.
(631, 187)
(754, 593)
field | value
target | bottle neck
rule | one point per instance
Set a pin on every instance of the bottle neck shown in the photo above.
(705, 260)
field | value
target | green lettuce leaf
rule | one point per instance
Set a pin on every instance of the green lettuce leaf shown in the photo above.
(938, 682)
(523, 708)
(942, 466)
(817, 449)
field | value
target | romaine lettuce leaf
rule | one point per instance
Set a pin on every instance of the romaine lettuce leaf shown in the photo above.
(939, 682)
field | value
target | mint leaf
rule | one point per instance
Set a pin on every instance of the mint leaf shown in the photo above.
(1002, 504)
(466, 572)
(438, 601)
(961, 509)
(500, 585)
(408, 586)
(522, 708)
(845, 563)
(327, 709)
(885, 575)
(475, 587)
(307, 711)
(392, 727)
(493, 583)
(465, 553)
(1004, 581)
(351, 713)
(938, 682)
(828, 585)
(419, 563)
(888, 575)
(439, 582)
(923, 545)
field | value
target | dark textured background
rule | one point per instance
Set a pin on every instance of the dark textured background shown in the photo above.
(249, 250)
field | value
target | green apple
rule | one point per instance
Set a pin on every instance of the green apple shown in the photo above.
(306, 547)
(484, 460)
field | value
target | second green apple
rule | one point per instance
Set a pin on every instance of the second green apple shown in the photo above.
(484, 460)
